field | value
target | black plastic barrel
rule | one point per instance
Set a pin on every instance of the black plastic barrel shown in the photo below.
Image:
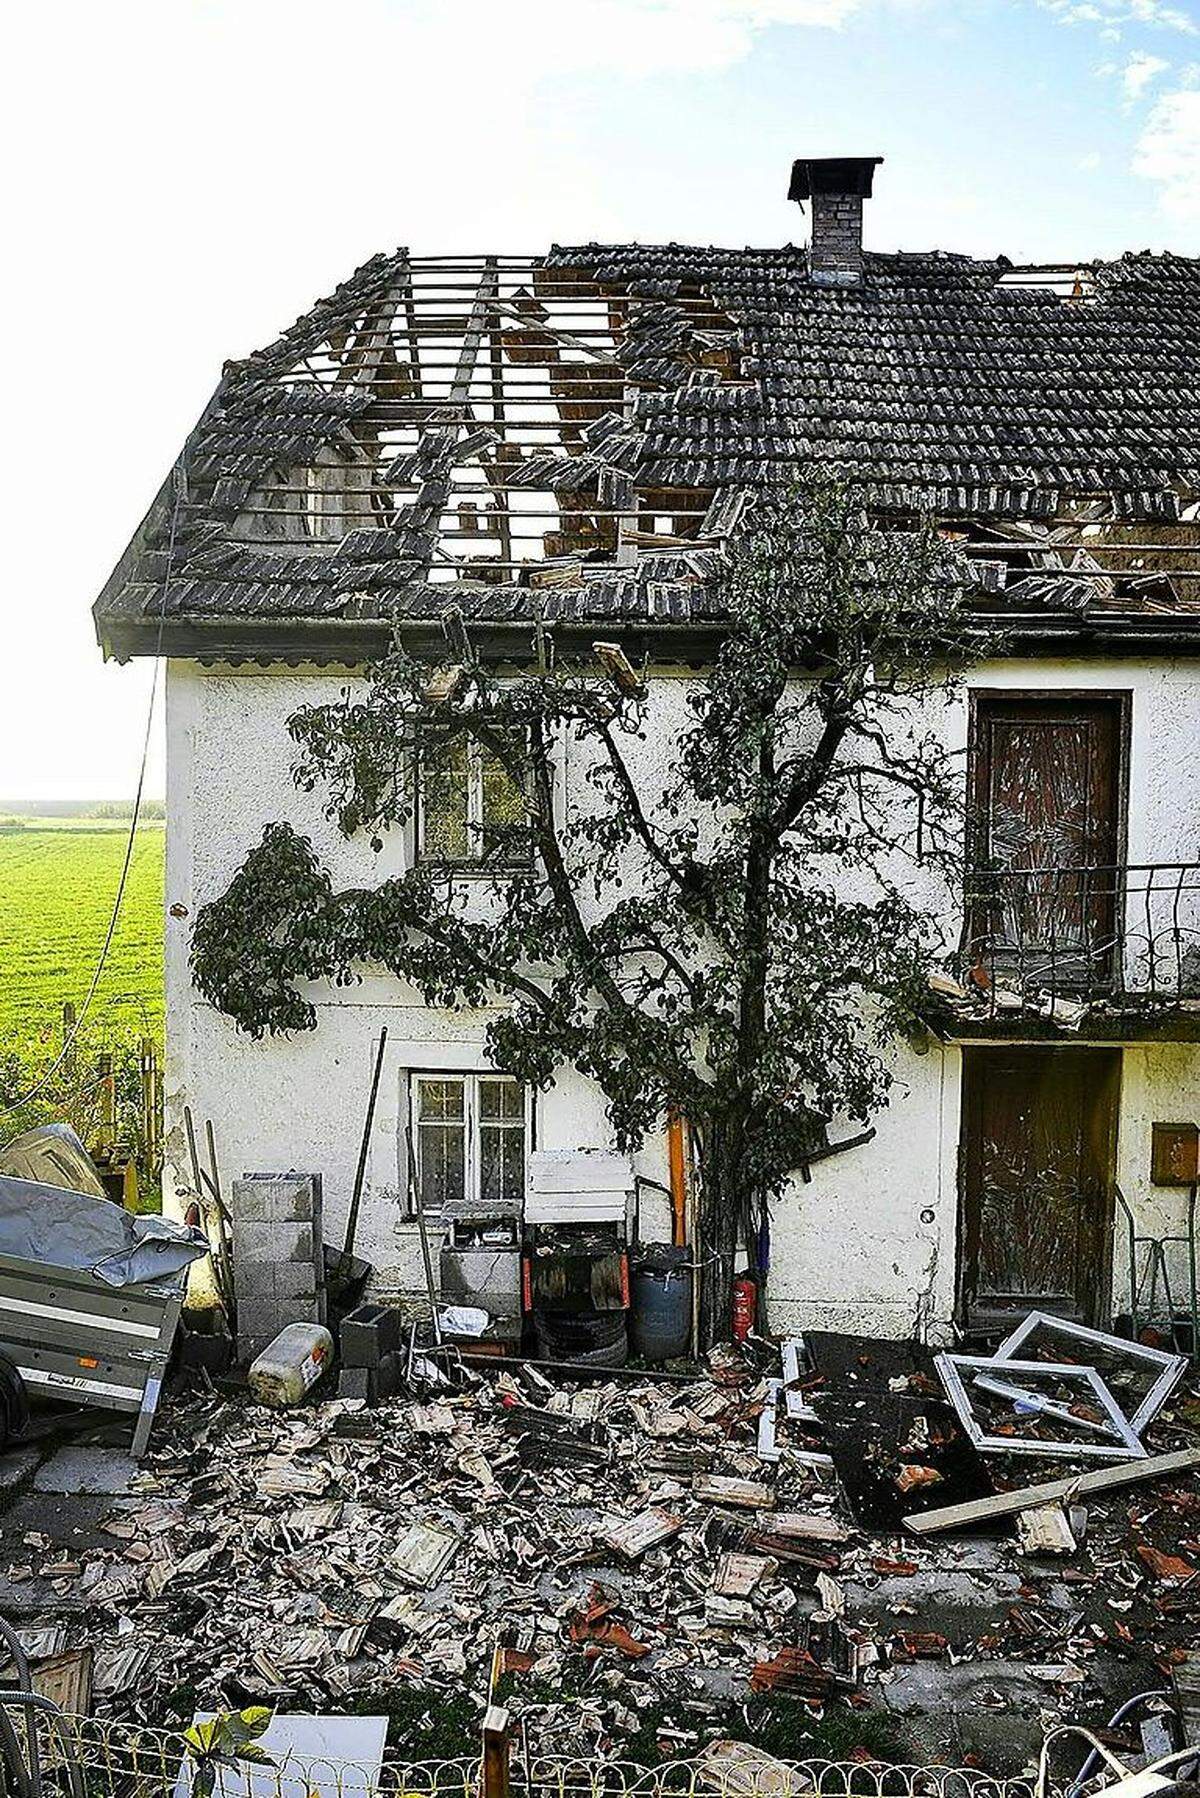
(660, 1314)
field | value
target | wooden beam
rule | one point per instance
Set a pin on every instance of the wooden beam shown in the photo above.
(1081, 1485)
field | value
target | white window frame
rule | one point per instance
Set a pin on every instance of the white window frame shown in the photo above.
(472, 861)
(470, 1080)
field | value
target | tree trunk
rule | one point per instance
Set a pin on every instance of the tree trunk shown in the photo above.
(722, 1213)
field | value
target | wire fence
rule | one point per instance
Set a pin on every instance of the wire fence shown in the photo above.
(45, 1753)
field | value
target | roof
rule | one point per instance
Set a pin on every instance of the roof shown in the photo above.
(574, 435)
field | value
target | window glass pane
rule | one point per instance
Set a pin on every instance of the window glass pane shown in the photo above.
(438, 1099)
(501, 1162)
(513, 1161)
(441, 1141)
(503, 797)
(501, 1099)
(442, 1161)
(445, 780)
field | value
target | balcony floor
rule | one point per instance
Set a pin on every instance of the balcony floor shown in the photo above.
(1063, 1019)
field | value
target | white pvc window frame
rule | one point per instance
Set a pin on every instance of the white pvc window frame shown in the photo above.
(473, 1123)
(990, 1374)
(1170, 1367)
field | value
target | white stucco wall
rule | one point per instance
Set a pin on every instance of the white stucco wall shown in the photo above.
(869, 1243)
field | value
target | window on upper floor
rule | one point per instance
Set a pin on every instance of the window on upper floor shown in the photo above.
(471, 809)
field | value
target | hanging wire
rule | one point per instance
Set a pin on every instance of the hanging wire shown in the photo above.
(179, 480)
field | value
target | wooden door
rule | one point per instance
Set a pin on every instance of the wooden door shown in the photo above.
(1047, 825)
(1038, 1164)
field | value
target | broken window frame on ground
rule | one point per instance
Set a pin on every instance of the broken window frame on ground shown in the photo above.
(1171, 1367)
(1125, 1447)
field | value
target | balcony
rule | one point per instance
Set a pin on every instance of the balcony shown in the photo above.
(1102, 951)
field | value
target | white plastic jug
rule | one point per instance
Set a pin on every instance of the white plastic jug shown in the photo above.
(290, 1365)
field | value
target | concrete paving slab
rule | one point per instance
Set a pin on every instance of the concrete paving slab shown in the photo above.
(941, 1590)
(69, 1521)
(993, 1709)
(86, 1470)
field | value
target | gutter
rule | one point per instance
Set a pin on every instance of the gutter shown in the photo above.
(223, 638)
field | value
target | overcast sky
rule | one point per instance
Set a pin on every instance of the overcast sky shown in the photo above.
(185, 176)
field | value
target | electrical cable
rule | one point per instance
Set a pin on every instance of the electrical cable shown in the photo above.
(1118, 1716)
(180, 487)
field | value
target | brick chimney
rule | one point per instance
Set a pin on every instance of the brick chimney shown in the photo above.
(837, 187)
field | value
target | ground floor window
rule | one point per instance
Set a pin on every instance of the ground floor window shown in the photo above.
(470, 1138)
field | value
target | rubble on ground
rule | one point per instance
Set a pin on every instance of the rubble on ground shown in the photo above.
(622, 1543)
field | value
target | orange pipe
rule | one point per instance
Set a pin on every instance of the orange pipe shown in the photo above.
(677, 1160)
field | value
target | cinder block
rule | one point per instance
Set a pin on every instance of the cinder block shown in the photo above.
(259, 1317)
(274, 1242)
(357, 1382)
(252, 1202)
(295, 1281)
(368, 1334)
(389, 1376)
(254, 1279)
(278, 1198)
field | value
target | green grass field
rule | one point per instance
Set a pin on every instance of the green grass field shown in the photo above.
(58, 880)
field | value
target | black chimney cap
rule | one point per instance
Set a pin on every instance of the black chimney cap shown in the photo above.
(833, 175)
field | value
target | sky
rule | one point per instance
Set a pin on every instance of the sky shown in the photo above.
(186, 176)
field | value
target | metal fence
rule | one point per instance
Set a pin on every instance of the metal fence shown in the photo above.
(1124, 932)
(45, 1754)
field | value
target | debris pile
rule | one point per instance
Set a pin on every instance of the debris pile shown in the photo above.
(625, 1545)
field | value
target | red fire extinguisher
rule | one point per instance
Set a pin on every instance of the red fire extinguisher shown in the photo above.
(745, 1303)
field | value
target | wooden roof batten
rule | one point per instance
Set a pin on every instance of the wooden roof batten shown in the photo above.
(575, 436)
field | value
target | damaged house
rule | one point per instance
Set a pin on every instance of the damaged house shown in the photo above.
(563, 442)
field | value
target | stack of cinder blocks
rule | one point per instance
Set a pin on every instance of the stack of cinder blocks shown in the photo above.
(278, 1256)
(369, 1344)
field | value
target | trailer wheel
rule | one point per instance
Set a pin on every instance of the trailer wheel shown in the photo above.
(14, 1402)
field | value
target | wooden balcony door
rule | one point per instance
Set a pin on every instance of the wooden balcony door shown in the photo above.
(1037, 1170)
(1047, 829)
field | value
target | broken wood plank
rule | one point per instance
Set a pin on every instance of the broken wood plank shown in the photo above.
(1026, 1498)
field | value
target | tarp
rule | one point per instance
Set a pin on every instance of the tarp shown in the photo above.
(69, 1230)
(52, 1155)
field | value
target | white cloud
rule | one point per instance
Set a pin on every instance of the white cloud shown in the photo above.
(1091, 160)
(628, 37)
(1168, 152)
(1113, 15)
(1138, 73)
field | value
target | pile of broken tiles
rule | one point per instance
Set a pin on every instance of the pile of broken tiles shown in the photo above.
(624, 1535)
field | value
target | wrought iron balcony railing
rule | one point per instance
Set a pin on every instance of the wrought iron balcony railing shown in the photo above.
(1121, 936)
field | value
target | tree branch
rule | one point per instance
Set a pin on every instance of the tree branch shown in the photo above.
(688, 881)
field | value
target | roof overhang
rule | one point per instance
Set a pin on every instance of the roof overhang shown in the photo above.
(354, 641)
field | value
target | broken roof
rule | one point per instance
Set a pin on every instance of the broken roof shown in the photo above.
(573, 436)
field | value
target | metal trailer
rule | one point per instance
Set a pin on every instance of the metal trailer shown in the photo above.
(90, 1298)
